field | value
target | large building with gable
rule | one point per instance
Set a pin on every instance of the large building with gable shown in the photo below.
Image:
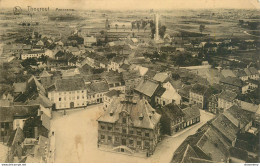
(129, 125)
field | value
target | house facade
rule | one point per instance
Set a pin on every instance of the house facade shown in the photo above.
(68, 93)
(130, 125)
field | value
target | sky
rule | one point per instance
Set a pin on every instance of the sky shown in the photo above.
(133, 4)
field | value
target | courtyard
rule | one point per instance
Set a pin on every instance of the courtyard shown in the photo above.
(77, 135)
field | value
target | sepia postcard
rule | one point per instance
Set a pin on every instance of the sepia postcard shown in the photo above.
(129, 81)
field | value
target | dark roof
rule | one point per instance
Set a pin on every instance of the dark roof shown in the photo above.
(238, 116)
(199, 89)
(225, 127)
(189, 141)
(6, 115)
(71, 84)
(160, 91)
(191, 112)
(241, 73)
(238, 153)
(253, 70)
(147, 87)
(136, 108)
(113, 93)
(171, 111)
(97, 87)
(227, 95)
(118, 59)
(232, 81)
(184, 91)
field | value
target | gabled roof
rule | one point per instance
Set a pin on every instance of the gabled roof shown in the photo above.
(71, 84)
(232, 81)
(118, 59)
(240, 118)
(189, 152)
(147, 87)
(214, 144)
(171, 111)
(98, 87)
(225, 127)
(161, 77)
(228, 73)
(135, 108)
(199, 89)
(227, 95)
(191, 112)
(113, 93)
(238, 153)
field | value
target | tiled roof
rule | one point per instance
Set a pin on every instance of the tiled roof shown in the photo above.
(241, 73)
(213, 143)
(225, 127)
(199, 89)
(136, 108)
(97, 87)
(232, 81)
(41, 100)
(113, 93)
(227, 95)
(45, 121)
(189, 152)
(191, 112)
(171, 111)
(161, 77)
(253, 70)
(147, 87)
(239, 117)
(71, 84)
(118, 59)
(238, 153)
(228, 73)
(6, 115)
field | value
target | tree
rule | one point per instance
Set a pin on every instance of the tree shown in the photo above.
(138, 25)
(202, 28)
(116, 26)
(162, 31)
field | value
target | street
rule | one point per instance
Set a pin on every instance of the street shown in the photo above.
(76, 139)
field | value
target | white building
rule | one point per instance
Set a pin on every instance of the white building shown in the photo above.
(68, 93)
(32, 54)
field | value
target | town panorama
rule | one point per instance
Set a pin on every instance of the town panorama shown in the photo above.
(133, 86)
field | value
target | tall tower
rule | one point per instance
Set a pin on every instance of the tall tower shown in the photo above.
(156, 37)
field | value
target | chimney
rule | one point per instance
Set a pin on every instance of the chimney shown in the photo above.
(141, 117)
(36, 132)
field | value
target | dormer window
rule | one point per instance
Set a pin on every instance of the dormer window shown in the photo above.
(111, 113)
(141, 117)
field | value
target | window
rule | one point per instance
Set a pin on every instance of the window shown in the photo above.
(109, 138)
(59, 98)
(109, 128)
(131, 142)
(102, 137)
(139, 143)
(103, 127)
(117, 139)
(117, 129)
(82, 91)
(124, 131)
(146, 144)
(139, 133)
(131, 131)
(147, 134)
(124, 120)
